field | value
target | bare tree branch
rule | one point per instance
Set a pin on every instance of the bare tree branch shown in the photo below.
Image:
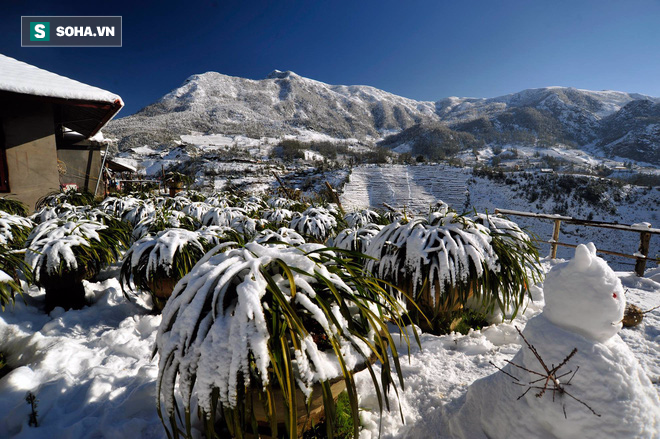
(550, 376)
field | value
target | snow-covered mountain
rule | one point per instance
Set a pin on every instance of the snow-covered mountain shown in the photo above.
(282, 103)
(285, 103)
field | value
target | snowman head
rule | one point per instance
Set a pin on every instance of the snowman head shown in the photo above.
(584, 295)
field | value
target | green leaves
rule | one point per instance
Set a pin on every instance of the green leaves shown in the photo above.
(254, 325)
(444, 261)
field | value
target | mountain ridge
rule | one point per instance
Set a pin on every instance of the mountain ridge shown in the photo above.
(286, 103)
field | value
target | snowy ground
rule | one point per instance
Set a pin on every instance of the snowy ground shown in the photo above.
(94, 377)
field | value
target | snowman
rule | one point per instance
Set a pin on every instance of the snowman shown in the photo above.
(610, 394)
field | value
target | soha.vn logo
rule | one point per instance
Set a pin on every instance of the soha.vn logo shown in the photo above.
(39, 31)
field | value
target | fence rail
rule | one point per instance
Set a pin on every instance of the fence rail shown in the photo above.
(645, 231)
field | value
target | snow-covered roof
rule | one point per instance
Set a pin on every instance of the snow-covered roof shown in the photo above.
(81, 107)
(19, 77)
(120, 165)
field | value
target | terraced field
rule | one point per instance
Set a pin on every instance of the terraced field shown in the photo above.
(412, 187)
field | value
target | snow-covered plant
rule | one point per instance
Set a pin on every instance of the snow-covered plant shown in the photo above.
(516, 254)
(277, 216)
(13, 207)
(444, 260)
(247, 227)
(282, 236)
(193, 195)
(197, 209)
(315, 223)
(156, 263)
(118, 206)
(356, 240)
(137, 213)
(63, 253)
(162, 219)
(252, 205)
(361, 218)
(222, 216)
(11, 263)
(215, 235)
(14, 230)
(248, 322)
(175, 203)
(73, 197)
(222, 199)
(63, 210)
(281, 203)
(391, 216)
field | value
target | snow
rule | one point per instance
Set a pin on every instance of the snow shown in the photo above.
(92, 371)
(19, 77)
(574, 289)
(583, 311)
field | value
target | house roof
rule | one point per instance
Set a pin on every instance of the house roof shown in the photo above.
(119, 165)
(79, 107)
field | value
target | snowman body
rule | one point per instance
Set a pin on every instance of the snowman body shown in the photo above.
(611, 395)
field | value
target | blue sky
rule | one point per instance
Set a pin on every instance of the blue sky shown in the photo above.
(424, 50)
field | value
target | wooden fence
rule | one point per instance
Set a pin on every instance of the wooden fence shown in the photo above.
(642, 254)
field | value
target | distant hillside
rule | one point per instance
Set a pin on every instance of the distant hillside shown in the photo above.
(620, 124)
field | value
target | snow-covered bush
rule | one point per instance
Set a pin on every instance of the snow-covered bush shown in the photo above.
(192, 195)
(14, 230)
(356, 240)
(252, 205)
(222, 199)
(283, 235)
(315, 223)
(156, 263)
(446, 259)
(361, 218)
(277, 216)
(118, 206)
(13, 207)
(247, 227)
(215, 235)
(248, 322)
(71, 196)
(10, 264)
(63, 253)
(222, 216)
(197, 209)
(63, 210)
(281, 203)
(138, 212)
(162, 219)
(175, 203)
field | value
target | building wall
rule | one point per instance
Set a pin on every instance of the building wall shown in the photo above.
(81, 165)
(29, 142)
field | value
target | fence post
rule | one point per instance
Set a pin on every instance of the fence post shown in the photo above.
(644, 241)
(555, 237)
